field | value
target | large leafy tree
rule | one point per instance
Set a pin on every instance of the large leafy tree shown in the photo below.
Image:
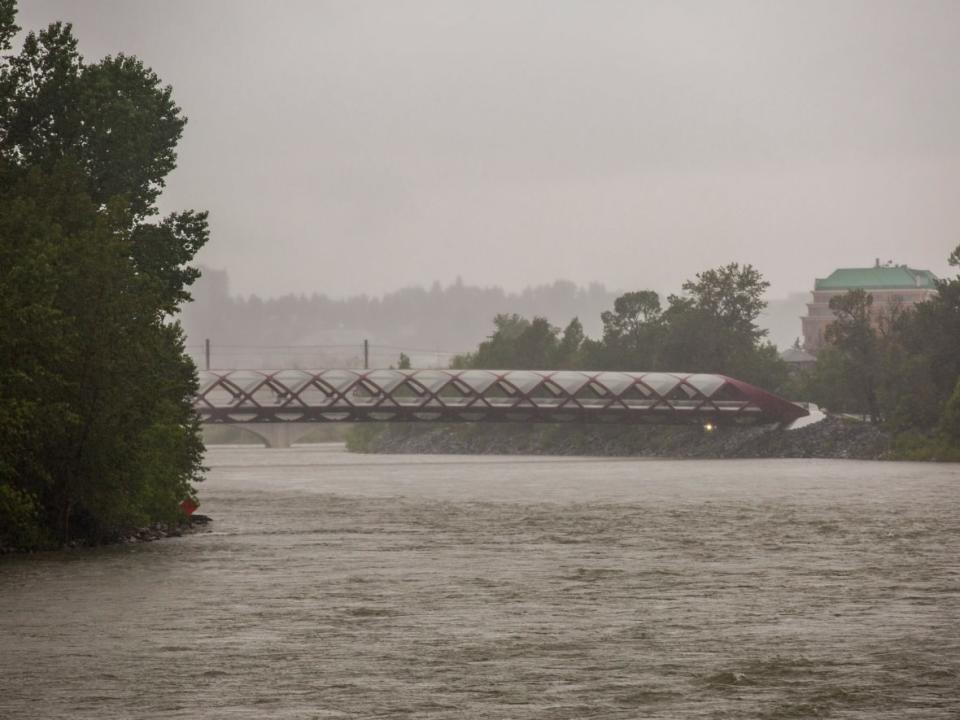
(113, 118)
(96, 428)
(632, 332)
(712, 327)
(731, 295)
(516, 343)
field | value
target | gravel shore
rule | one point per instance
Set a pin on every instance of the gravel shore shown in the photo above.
(832, 437)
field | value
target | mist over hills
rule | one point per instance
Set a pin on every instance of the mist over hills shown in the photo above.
(429, 325)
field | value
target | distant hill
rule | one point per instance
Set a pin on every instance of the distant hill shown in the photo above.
(427, 324)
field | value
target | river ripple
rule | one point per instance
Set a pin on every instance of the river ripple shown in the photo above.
(335, 585)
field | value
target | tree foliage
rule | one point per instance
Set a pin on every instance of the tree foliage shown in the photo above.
(731, 295)
(713, 327)
(96, 427)
(516, 343)
(853, 335)
(631, 332)
(569, 353)
(710, 328)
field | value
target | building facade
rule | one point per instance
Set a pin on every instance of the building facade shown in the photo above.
(892, 287)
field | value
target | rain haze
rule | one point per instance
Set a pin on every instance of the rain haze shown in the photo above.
(548, 359)
(349, 148)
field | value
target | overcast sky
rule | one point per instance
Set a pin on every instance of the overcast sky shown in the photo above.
(348, 147)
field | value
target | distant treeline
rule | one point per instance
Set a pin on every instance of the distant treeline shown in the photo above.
(430, 325)
(427, 324)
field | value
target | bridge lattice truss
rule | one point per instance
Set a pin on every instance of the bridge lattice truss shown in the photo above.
(242, 396)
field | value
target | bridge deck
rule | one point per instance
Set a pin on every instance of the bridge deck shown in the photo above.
(254, 396)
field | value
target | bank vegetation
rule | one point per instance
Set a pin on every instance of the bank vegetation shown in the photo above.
(97, 432)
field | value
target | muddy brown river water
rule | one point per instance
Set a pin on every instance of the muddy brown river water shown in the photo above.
(341, 586)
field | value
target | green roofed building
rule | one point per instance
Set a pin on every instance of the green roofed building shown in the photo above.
(890, 285)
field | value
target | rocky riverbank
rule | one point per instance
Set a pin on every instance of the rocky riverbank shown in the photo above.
(832, 437)
(158, 531)
(148, 533)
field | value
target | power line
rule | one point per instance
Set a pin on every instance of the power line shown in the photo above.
(233, 349)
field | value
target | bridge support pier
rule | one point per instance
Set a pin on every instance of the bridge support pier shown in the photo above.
(278, 434)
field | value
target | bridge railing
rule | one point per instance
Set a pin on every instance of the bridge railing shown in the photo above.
(256, 396)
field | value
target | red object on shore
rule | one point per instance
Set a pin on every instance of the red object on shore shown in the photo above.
(189, 507)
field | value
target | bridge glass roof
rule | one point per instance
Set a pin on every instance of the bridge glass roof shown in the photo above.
(486, 394)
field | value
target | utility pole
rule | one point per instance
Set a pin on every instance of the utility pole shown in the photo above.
(366, 355)
(206, 352)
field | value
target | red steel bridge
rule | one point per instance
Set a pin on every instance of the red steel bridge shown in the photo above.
(277, 405)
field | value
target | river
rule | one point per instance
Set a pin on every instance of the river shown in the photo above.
(335, 585)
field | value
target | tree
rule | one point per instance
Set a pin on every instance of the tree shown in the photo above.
(404, 362)
(571, 344)
(713, 328)
(8, 25)
(113, 118)
(516, 343)
(933, 329)
(954, 258)
(32, 333)
(633, 313)
(853, 335)
(95, 390)
(949, 425)
(826, 383)
(731, 295)
(631, 332)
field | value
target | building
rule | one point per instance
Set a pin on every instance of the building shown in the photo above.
(797, 360)
(892, 286)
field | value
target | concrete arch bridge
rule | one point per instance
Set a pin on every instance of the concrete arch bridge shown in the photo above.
(281, 406)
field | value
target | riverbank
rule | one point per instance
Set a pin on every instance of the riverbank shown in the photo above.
(832, 438)
(148, 533)
(159, 531)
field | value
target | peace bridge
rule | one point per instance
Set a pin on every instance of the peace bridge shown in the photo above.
(281, 406)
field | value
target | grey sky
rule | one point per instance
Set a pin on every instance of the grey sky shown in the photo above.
(347, 147)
